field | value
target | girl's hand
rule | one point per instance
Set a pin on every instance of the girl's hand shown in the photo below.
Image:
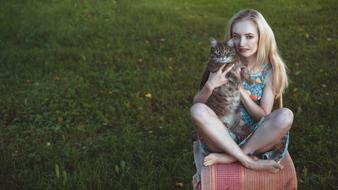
(218, 78)
(242, 91)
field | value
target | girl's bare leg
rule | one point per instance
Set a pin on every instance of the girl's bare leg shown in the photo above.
(218, 139)
(276, 125)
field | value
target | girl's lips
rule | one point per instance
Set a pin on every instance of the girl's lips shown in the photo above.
(242, 49)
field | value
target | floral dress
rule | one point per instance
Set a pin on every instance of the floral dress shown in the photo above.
(255, 91)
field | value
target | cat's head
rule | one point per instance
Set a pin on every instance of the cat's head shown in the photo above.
(221, 53)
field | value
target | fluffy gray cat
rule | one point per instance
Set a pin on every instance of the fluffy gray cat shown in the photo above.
(225, 100)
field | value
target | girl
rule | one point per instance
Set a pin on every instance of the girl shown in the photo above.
(268, 138)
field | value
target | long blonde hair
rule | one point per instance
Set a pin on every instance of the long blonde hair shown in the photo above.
(267, 51)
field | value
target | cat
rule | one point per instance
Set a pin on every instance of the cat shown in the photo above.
(225, 100)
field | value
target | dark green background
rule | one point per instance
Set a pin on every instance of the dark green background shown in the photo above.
(96, 94)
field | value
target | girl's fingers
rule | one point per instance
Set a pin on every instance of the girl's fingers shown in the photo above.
(221, 69)
(278, 166)
(228, 68)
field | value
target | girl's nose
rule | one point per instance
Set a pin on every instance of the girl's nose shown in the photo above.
(241, 42)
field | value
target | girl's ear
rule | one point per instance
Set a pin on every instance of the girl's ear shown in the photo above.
(213, 42)
(230, 42)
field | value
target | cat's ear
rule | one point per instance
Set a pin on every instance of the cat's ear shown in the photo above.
(230, 42)
(213, 42)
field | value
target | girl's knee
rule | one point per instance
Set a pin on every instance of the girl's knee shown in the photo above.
(288, 115)
(285, 117)
(198, 110)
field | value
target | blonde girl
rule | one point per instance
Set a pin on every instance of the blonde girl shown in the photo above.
(267, 141)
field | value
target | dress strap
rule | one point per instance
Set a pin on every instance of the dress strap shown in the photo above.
(266, 71)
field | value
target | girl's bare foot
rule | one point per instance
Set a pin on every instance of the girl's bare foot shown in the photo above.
(218, 158)
(254, 163)
(267, 165)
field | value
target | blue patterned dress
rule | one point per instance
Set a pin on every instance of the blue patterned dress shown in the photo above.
(255, 91)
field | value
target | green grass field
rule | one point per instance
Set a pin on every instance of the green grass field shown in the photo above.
(96, 94)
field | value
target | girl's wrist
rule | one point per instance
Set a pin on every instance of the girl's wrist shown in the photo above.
(242, 92)
(241, 89)
(209, 85)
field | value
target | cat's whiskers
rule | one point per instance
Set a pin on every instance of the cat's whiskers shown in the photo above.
(224, 60)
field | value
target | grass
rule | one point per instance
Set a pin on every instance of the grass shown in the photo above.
(96, 94)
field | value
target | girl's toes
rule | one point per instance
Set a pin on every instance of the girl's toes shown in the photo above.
(208, 163)
(278, 166)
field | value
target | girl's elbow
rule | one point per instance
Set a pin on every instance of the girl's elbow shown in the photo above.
(265, 113)
(195, 100)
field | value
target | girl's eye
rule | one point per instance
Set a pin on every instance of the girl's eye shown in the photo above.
(249, 37)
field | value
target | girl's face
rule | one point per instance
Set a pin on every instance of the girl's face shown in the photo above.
(245, 36)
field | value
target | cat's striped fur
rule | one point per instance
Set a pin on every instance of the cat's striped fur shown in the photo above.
(225, 100)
